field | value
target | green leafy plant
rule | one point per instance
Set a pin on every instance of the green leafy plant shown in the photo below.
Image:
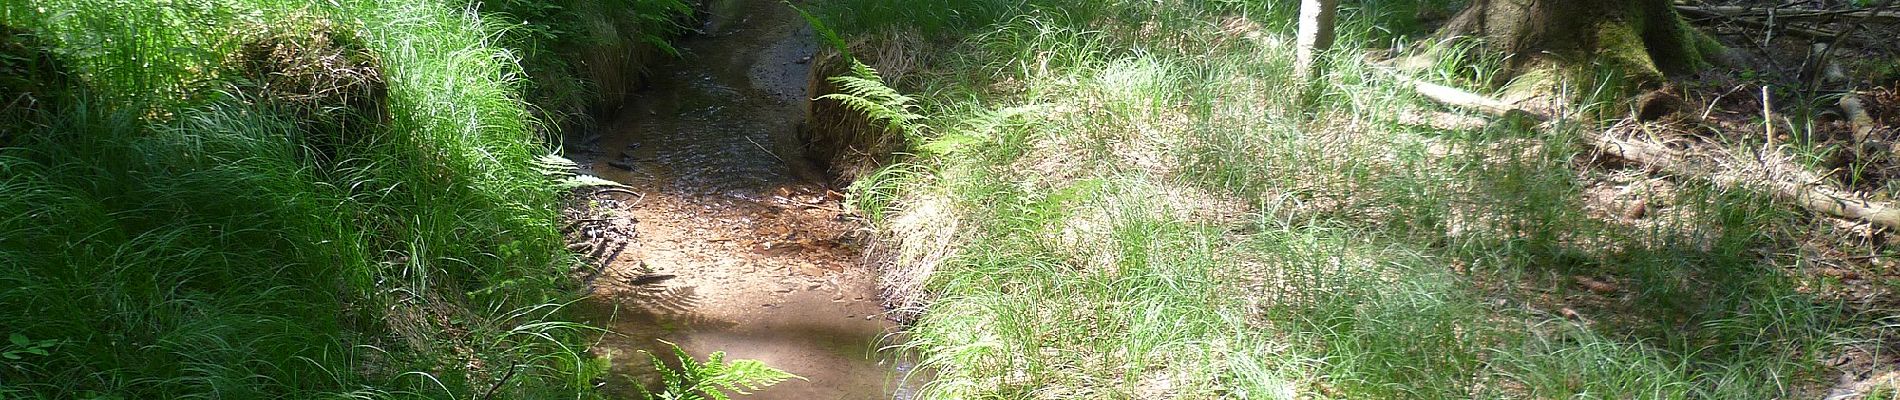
(19, 346)
(567, 173)
(707, 380)
(864, 91)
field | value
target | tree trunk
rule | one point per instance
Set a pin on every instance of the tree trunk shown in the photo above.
(1546, 42)
(1315, 36)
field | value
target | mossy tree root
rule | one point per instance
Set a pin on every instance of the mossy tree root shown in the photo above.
(1637, 42)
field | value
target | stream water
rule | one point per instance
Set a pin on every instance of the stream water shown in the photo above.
(738, 245)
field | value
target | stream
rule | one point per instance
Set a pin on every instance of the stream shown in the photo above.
(737, 245)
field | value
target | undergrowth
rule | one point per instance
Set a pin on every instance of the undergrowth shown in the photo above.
(711, 379)
(198, 202)
(1124, 199)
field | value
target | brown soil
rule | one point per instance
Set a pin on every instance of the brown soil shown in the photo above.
(728, 240)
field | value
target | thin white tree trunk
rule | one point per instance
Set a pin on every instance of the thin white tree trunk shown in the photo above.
(1315, 36)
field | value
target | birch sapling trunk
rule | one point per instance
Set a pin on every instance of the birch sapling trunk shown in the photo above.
(1315, 36)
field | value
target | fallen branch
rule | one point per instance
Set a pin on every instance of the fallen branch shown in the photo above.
(1857, 117)
(1797, 30)
(1792, 13)
(1767, 171)
(1783, 179)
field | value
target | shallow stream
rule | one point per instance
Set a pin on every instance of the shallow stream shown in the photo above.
(739, 246)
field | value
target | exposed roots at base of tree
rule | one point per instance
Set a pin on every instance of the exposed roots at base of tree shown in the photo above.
(1764, 169)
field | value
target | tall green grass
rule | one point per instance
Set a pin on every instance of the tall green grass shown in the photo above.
(169, 233)
(1126, 200)
(586, 55)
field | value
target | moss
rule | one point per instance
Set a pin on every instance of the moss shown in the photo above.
(1620, 45)
(1679, 48)
(1638, 43)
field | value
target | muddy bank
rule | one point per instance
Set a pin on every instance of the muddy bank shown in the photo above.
(729, 239)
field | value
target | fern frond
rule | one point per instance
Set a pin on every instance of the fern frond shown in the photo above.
(864, 91)
(743, 375)
(567, 173)
(709, 379)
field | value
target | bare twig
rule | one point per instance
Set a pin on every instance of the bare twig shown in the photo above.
(1792, 13)
(1770, 25)
(617, 190)
(1774, 174)
(504, 380)
(1768, 119)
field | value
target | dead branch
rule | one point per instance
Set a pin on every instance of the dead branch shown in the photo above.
(1768, 172)
(1463, 99)
(1825, 51)
(1857, 117)
(1758, 23)
(1797, 14)
(1852, 107)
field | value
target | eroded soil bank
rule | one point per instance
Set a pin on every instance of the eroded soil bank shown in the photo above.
(729, 240)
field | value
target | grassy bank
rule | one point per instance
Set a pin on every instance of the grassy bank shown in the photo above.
(265, 199)
(1123, 199)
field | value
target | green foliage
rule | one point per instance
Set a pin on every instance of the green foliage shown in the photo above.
(564, 170)
(708, 380)
(585, 52)
(1123, 199)
(864, 91)
(18, 347)
(172, 236)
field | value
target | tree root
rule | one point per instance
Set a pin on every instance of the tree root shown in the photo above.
(1768, 171)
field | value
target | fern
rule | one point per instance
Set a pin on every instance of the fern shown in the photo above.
(864, 91)
(709, 380)
(568, 173)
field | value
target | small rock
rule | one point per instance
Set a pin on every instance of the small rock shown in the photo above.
(806, 59)
(1593, 285)
(869, 317)
(1637, 210)
(850, 315)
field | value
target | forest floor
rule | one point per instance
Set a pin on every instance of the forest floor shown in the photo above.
(1111, 200)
